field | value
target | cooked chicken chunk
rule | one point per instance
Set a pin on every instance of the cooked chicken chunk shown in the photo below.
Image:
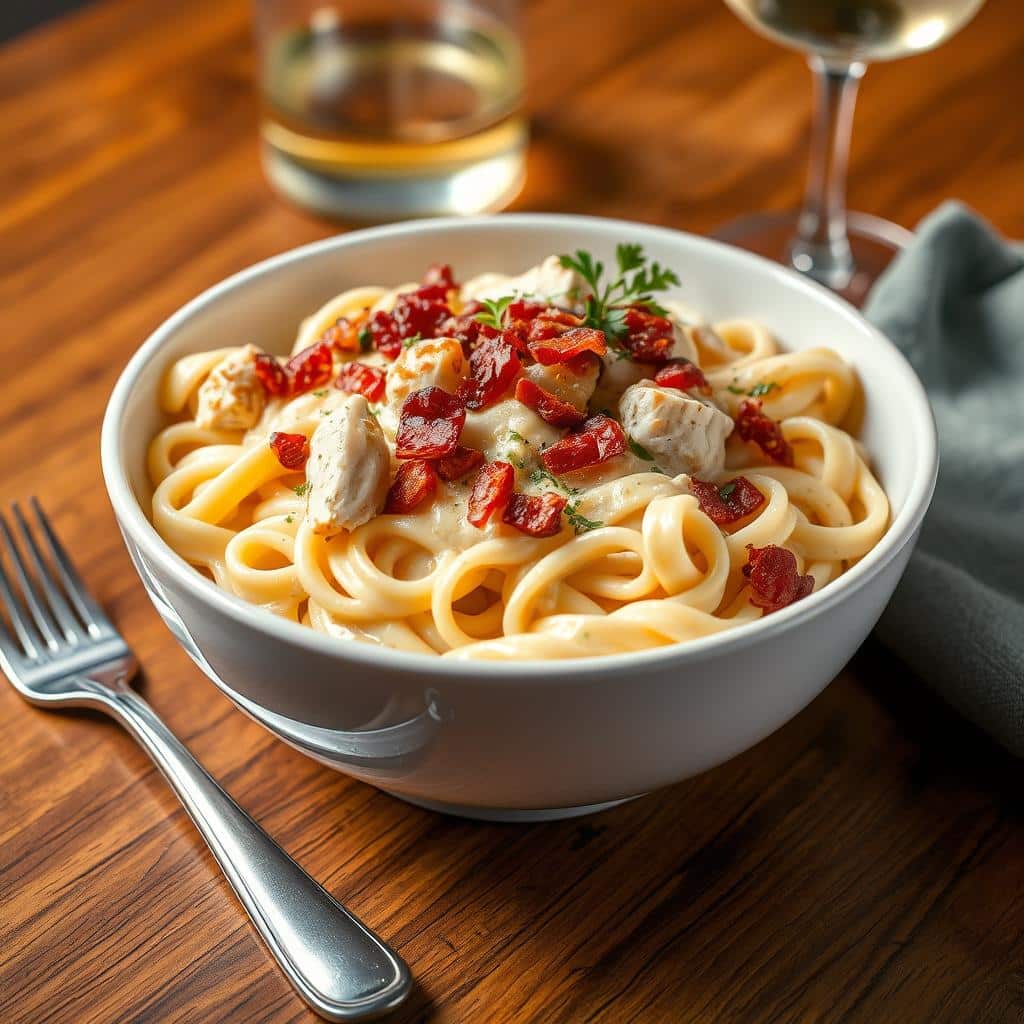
(683, 434)
(348, 469)
(564, 383)
(548, 282)
(232, 397)
(436, 362)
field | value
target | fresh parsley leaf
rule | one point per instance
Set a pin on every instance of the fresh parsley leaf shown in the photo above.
(365, 339)
(409, 342)
(639, 450)
(725, 491)
(579, 522)
(494, 310)
(514, 435)
(635, 285)
(302, 488)
(761, 389)
(321, 392)
(735, 390)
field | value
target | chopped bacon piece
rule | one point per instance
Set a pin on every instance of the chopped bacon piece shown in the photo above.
(598, 439)
(271, 374)
(343, 334)
(387, 338)
(414, 483)
(649, 338)
(729, 503)
(561, 348)
(766, 433)
(492, 368)
(774, 581)
(460, 462)
(430, 424)
(291, 450)
(684, 375)
(547, 406)
(414, 314)
(361, 379)
(466, 329)
(437, 282)
(539, 515)
(518, 320)
(523, 309)
(310, 368)
(492, 489)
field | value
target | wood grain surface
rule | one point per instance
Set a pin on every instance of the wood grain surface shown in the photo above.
(864, 864)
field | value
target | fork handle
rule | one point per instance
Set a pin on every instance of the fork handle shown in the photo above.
(336, 963)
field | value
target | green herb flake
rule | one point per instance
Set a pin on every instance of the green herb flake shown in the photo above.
(409, 342)
(514, 435)
(639, 450)
(321, 392)
(539, 475)
(494, 311)
(365, 339)
(735, 390)
(302, 488)
(579, 522)
(375, 410)
(635, 285)
(289, 519)
(761, 389)
(725, 491)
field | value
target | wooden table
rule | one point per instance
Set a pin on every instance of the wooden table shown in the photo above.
(865, 863)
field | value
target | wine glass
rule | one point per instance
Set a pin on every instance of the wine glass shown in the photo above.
(844, 251)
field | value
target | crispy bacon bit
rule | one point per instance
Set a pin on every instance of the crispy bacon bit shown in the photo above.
(766, 433)
(311, 368)
(343, 334)
(387, 338)
(291, 450)
(539, 515)
(774, 581)
(649, 338)
(523, 309)
(547, 406)
(684, 375)
(430, 424)
(460, 462)
(729, 503)
(492, 368)
(466, 329)
(492, 489)
(437, 282)
(414, 483)
(552, 338)
(598, 439)
(271, 374)
(415, 314)
(361, 379)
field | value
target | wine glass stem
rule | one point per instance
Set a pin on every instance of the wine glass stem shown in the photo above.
(821, 248)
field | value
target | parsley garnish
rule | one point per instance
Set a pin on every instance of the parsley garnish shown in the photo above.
(725, 491)
(514, 435)
(320, 392)
(639, 450)
(302, 488)
(375, 410)
(539, 475)
(409, 342)
(493, 311)
(635, 286)
(365, 339)
(735, 390)
(289, 519)
(579, 522)
(761, 389)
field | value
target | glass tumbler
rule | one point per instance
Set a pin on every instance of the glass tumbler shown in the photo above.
(384, 109)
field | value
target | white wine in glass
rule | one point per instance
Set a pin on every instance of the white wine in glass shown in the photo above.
(845, 251)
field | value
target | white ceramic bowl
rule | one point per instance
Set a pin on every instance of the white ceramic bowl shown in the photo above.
(527, 740)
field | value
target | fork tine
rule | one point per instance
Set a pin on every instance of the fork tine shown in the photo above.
(56, 604)
(40, 616)
(22, 627)
(88, 610)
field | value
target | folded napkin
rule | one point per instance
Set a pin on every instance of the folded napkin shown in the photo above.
(953, 302)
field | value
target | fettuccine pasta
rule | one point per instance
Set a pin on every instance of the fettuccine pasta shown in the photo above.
(517, 468)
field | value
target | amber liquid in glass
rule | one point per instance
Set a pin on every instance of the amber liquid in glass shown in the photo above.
(383, 119)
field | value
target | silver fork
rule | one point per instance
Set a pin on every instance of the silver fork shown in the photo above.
(61, 650)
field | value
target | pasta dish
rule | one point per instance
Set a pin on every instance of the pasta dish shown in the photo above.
(559, 464)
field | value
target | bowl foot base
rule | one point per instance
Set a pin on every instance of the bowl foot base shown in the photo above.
(511, 814)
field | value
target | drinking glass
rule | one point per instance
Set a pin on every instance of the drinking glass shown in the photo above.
(379, 109)
(844, 251)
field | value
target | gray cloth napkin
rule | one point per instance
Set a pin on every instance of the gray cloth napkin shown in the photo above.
(953, 302)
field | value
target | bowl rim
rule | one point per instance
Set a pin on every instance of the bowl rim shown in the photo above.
(140, 531)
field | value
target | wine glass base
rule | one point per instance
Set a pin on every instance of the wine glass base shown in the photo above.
(873, 243)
